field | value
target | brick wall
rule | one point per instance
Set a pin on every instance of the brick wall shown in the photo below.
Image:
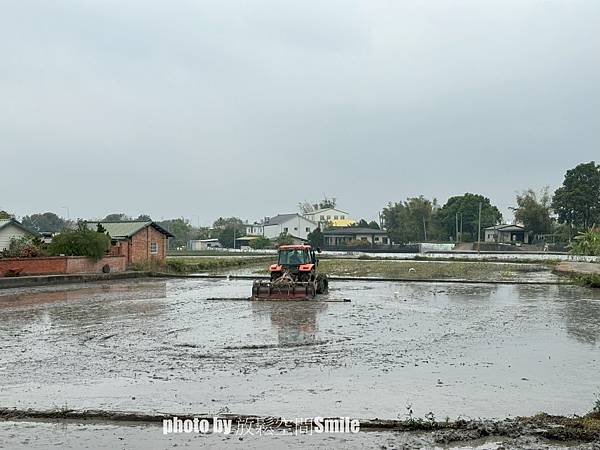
(85, 265)
(61, 265)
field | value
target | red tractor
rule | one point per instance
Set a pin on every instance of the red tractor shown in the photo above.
(294, 277)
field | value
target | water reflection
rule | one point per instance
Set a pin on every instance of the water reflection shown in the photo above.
(80, 305)
(295, 322)
(581, 308)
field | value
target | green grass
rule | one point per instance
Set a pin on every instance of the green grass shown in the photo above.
(588, 279)
(428, 269)
(212, 265)
(215, 253)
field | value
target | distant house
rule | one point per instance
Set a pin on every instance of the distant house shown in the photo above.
(12, 228)
(506, 233)
(340, 237)
(333, 216)
(203, 244)
(138, 241)
(292, 224)
(254, 229)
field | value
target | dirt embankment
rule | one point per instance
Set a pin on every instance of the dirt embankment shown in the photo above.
(542, 426)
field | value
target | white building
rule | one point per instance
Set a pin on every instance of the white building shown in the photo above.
(293, 224)
(12, 228)
(334, 216)
(254, 229)
(203, 244)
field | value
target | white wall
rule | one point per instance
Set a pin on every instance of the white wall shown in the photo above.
(331, 212)
(9, 232)
(296, 226)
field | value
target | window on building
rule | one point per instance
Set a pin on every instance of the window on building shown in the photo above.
(295, 228)
(335, 217)
(285, 230)
(328, 217)
(154, 247)
(342, 217)
(376, 238)
(308, 229)
(322, 217)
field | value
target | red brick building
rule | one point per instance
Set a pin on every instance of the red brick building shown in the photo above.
(138, 241)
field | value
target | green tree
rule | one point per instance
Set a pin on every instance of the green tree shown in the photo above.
(362, 223)
(577, 201)
(316, 238)
(4, 215)
(260, 243)
(411, 221)
(116, 217)
(47, 221)
(533, 211)
(285, 239)
(226, 229)
(466, 209)
(181, 230)
(373, 225)
(143, 218)
(80, 242)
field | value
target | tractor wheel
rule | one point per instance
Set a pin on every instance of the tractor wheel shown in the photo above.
(322, 284)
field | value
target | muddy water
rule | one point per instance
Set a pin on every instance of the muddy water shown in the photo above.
(455, 350)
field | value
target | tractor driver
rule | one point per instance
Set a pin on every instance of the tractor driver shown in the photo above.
(296, 258)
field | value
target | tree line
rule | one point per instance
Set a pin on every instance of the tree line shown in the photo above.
(573, 207)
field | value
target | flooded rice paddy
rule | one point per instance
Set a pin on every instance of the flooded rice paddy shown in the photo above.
(456, 350)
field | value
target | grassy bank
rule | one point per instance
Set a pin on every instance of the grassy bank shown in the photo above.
(214, 264)
(472, 270)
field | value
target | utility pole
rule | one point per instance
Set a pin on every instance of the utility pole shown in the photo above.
(456, 226)
(461, 228)
(424, 229)
(479, 230)
(234, 236)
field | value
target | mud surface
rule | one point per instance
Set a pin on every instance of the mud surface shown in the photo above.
(455, 350)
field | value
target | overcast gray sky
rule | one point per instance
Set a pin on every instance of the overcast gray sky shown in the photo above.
(202, 108)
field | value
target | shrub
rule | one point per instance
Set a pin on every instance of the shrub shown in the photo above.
(587, 243)
(588, 279)
(23, 247)
(80, 242)
(260, 243)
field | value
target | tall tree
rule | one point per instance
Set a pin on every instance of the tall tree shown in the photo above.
(308, 207)
(465, 208)
(533, 211)
(180, 228)
(4, 215)
(47, 221)
(316, 238)
(226, 230)
(412, 220)
(577, 201)
(116, 217)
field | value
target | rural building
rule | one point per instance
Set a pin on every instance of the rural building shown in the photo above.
(335, 217)
(506, 233)
(138, 241)
(292, 224)
(254, 229)
(340, 237)
(12, 228)
(203, 244)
